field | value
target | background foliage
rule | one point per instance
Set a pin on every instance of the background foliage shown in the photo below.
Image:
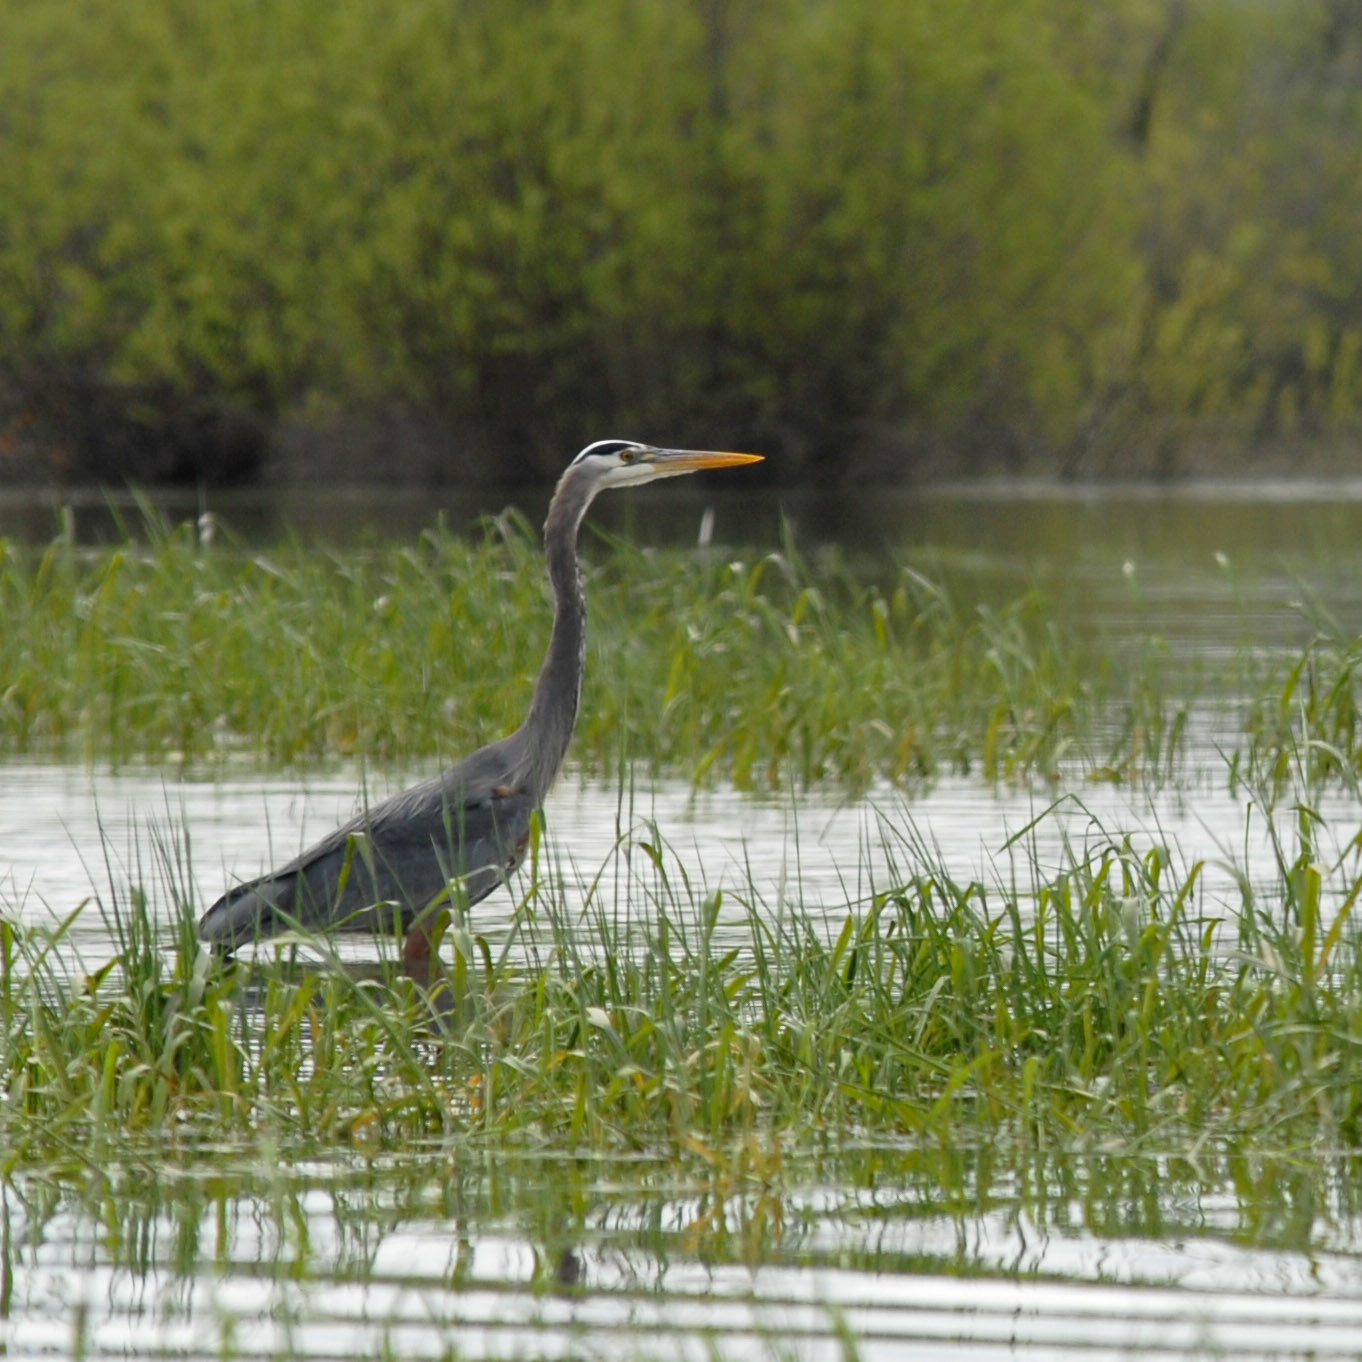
(940, 233)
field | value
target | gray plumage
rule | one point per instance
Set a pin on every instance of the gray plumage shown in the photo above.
(394, 867)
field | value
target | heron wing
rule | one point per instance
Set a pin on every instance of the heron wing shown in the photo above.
(387, 866)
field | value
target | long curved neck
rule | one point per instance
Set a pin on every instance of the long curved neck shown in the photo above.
(558, 692)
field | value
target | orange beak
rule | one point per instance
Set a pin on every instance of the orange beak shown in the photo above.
(692, 460)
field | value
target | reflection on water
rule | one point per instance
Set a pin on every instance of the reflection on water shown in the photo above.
(1297, 519)
(571, 1258)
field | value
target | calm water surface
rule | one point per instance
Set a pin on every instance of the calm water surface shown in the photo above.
(900, 1273)
(940, 1257)
(915, 1254)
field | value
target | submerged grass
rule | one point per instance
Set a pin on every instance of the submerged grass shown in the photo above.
(763, 672)
(1111, 1005)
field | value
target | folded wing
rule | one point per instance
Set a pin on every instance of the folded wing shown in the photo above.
(385, 870)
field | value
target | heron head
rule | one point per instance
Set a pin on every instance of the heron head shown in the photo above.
(625, 463)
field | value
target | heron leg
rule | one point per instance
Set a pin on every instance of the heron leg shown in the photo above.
(423, 941)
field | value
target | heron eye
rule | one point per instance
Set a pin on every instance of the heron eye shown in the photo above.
(626, 456)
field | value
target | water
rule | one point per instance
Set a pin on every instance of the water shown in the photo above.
(903, 1250)
(564, 1259)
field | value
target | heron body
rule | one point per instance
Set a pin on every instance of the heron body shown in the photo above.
(394, 868)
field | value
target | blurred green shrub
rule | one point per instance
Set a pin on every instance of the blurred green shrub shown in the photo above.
(813, 225)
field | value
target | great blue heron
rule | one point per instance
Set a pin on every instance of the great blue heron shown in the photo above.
(393, 868)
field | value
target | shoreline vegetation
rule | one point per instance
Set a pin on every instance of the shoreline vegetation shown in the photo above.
(939, 239)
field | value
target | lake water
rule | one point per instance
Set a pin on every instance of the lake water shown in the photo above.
(1078, 1256)
(339, 1269)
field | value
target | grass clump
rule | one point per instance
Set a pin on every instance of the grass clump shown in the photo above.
(1113, 1004)
(1307, 724)
(762, 673)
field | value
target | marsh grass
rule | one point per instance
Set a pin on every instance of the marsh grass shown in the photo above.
(765, 672)
(1109, 1005)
